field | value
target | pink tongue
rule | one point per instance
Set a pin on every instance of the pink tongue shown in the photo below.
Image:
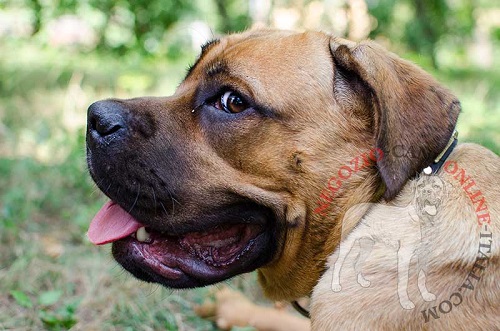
(110, 224)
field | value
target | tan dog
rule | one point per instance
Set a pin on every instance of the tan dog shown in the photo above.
(224, 177)
(376, 224)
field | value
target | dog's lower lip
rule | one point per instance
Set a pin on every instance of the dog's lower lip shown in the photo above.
(163, 270)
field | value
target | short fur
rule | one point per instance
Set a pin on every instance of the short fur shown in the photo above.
(326, 101)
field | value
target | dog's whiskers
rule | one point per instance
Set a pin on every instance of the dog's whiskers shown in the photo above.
(173, 203)
(154, 199)
(136, 198)
(153, 289)
(96, 189)
(163, 206)
(109, 186)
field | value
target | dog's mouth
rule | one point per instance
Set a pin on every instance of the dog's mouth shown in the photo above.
(430, 207)
(189, 259)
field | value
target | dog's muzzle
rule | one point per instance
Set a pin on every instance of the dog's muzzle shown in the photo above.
(163, 225)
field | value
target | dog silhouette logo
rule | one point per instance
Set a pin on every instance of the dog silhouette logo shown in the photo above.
(417, 219)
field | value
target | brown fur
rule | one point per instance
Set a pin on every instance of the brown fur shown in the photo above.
(326, 100)
(456, 245)
(387, 102)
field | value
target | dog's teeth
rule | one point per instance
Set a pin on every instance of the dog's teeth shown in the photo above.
(142, 235)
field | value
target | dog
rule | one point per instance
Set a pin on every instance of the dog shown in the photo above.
(418, 218)
(222, 178)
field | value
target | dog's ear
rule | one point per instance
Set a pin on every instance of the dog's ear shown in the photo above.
(411, 111)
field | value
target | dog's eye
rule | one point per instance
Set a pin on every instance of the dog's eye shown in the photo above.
(231, 102)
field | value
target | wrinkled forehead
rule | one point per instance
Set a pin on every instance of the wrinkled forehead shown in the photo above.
(266, 63)
(431, 180)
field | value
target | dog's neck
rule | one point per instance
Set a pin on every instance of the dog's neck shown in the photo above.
(441, 158)
(368, 188)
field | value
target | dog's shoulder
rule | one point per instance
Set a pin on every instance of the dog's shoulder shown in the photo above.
(477, 158)
(466, 225)
(474, 171)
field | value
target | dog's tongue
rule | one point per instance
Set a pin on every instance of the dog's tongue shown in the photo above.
(430, 209)
(110, 224)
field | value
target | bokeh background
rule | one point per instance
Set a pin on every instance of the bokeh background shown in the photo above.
(58, 56)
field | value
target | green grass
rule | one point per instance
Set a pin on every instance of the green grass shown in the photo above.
(51, 277)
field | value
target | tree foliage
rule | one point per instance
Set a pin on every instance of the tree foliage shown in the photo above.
(425, 22)
(137, 25)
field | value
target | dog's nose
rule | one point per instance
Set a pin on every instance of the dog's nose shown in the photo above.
(106, 121)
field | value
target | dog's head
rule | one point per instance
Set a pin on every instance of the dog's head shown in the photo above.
(223, 176)
(429, 192)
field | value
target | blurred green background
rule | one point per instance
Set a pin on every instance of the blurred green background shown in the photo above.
(58, 56)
